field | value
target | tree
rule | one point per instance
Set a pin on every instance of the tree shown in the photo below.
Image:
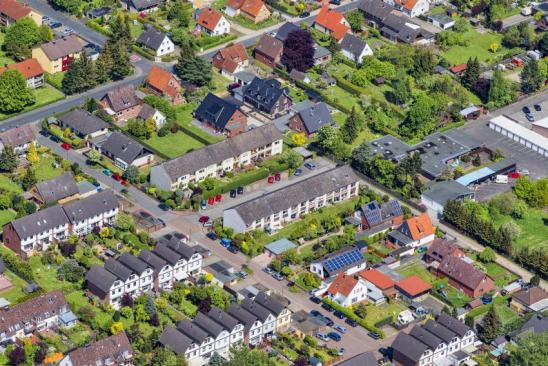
(72, 6)
(291, 158)
(21, 37)
(298, 52)
(121, 65)
(124, 221)
(531, 77)
(535, 280)
(330, 142)
(116, 327)
(127, 300)
(131, 174)
(205, 305)
(355, 19)
(67, 249)
(471, 75)
(140, 313)
(29, 179)
(193, 69)
(150, 125)
(500, 92)
(17, 356)
(80, 76)
(40, 353)
(401, 88)
(70, 271)
(164, 356)
(424, 62)
(488, 255)
(32, 154)
(121, 31)
(419, 121)
(354, 124)
(242, 356)
(216, 360)
(375, 68)
(530, 350)
(15, 95)
(8, 159)
(543, 43)
(476, 161)
(94, 156)
(298, 139)
(491, 325)
(180, 12)
(361, 310)
(494, 47)
(360, 78)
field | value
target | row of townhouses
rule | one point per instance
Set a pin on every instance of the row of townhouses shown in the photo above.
(34, 233)
(213, 160)
(217, 331)
(271, 211)
(113, 350)
(172, 260)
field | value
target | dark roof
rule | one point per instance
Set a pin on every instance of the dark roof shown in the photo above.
(185, 250)
(530, 296)
(174, 339)
(270, 46)
(207, 324)
(122, 147)
(408, 346)
(193, 161)
(144, 4)
(118, 269)
(146, 112)
(316, 117)
(297, 75)
(115, 348)
(167, 254)
(261, 312)
(353, 45)
(57, 188)
(153, 260)
(462, 272)
(62, 47)
(192, 331)
(132, 262)
(440, 248)
(276, 201)
(439, 330)
(320, 52)
(215, 111)
(269, 303)
(122, 98)
(363, 359)
(83, 122)
(537, 324)
(441, 192)
(264, 92)
(285, 29)
(223, 318)
(244, 316)
(88, 207)
(376, 213)
(100, 278)
(151, 37)
(40, 221)
(421, 334)
(341, 260)
(17, 136)
(454, 324)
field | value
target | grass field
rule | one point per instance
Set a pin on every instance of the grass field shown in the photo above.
(376, 313)
(246, 23)
(219, 83)
(478, 46)
(501, 276)
(7, 184)
(418, 270)
(45, 169)
(15, 292)
(534, 228)
(174, 144)
(44, 95)
(6, 216)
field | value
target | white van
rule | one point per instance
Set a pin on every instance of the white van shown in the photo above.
(405, 317)
(501, 179)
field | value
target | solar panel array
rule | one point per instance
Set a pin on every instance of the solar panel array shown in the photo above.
(396, 208)
(343, 260)
(373, 213)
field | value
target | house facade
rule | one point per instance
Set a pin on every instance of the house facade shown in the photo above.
(156, 41)
(465, 277)
(84, 124)
(222, 115)
(347, 261)
(267, 97)
(347, 290)
(212, 22)
(355, 48)
(12, 10)
(123, 151)
(122, 103)
(529, 300)
(414, 232)
(231, 60)
(113, 350)
(411, 8)
(331, 22)
(269, 50)
(57, 55)
(310, 120)
(19, 138)
(30, 69)
(164, 84)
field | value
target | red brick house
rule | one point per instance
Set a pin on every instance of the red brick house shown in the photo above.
(222, 115)
(163, 83)
(121, 103)
(269, 50)
(465, 277)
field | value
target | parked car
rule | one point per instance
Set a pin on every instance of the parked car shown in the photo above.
(339, 314)
(530, 117)
(203, 204)
(328, 321)
(324, 337)
(351, 322)
(233, 249)
(374, 335)
(335, 2)
(232, 193)
(212, 236)
(225, 242)
(310, 165)
(278, 276)
(315, 313)
(267, 270)
(537, 107)
(327, 307)
(240, 190)
(340, 329)
(242, 274)
(55, 139)
(334, 336)
(315, 299)
(304, 14)
(203, 219)
(526, 110)
(66, 146)
(298, 172)
(421, 249)
(341, 351)
(164, 207)
(107, 172)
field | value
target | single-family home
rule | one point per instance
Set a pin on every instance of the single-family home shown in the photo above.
(156, 41)
(212, 160)
(12, 10)
(347, 290)
(267, 96)
(465, 277)
(212, 22)
(355, 48)
(538, 324)
(379, 280)
(163, 83)
(414, 232)
(321, 56)
(30, 69)
(102, 12)
(269, 50)
(232, 8)
(147, 112)
(438, 194)
(124, 151)
(533, 299)
(347, 261)
(56, 56)
(296, 75)
(141, 6)
(411, 8)
(376, 217)
(254, 10)
(19, 138)
(272, 210)
(231, 60)
(121, 103)
(285, 29)
(82, 123)
(59, 189)
(331, 22)
(113, 350)
(413, 288)
(441, 249)
(311, 119)
(222, 115)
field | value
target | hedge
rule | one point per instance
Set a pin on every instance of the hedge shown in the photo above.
(243, 181)
(18, 266)
(383, 322)
(145, 53)
(96, 27)
(210, 42)
(350, 314)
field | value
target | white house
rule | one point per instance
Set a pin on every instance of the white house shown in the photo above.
(158, 117)
(156, 41)
(347, 290)
(163, 271)
(411, 8)
(211, 22)
(99, 210)
(414, 232)
(355, 48)
(346, 261)
(141, 268)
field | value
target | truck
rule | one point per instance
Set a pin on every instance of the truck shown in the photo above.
(501, 179)
(405, 317)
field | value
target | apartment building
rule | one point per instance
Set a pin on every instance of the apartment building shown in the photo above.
(163, 271)
(213, 160)
(281, 312)
(253, 326)
(271, 211)
(57, 55)
(93, 212)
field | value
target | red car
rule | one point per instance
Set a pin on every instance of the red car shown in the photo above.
(211, 200)
(66, 146)
(514, 175)
(271, 179)
(203, 219)
(218, 198)
(117, 177)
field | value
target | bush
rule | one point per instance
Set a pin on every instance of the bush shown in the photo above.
(350, 314)
(18, 266)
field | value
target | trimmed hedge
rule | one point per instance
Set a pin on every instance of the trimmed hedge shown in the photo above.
(244, 181)
(210, 42)
(18, 266)
(145, 53)
(350, 314)
(96, 27)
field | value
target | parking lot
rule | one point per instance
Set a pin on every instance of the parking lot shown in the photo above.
(488, 189)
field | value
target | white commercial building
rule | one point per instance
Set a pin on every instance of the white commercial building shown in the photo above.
(520, 134)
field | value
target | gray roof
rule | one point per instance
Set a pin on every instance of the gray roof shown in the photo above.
(280, 246)
(216, 111)
(57, 188)
(316, 117)
(454, 324)
(425, 337)
(269, 303)
(177, 341)
(264, 93)
(353, 45)
(193, 161)
(167, 254)
(320, 52)
(285, 29)
(301, 106)
(151, 37)
(363, 359)
(441, 192)
(88, 207)
(153, 260)
(439, 330)
(207, 324)
(132, 262)
(146, 112)
(83, 122)
(144, 4)
(408, 346)
(40, 221)
(100, 278)
(85, 187)
(537, 324)
(185, 250)
(118, 269)
(441, 18)
(192, 331)
(62, 47)
(122, 147)
(17, 136)
(223, 318)
(307, 189)
(258, 310)
(297, 75)
(244, 316)
(245, 76)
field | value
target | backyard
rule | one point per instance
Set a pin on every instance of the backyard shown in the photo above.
(4, 60)
(47, 168)
(478, 46)
(44, 95)
(173, 144)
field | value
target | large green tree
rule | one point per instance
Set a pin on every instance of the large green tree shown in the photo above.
(356, 20)
(353, 125)
(500, 91)
(8, 160)
(72, 6)
(164, 356)
(401, 86)
(193, 69)
(420, 118)
(121, 65)
(15, 95)
(471, 75)
(529, 350)
(491, 326)
(244, 356)
(80, 76)
(21, 37)
(531, 77)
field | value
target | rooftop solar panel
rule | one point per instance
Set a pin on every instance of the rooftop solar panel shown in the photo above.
(343, 260)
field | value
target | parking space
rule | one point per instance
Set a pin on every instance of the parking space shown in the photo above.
(488, 189)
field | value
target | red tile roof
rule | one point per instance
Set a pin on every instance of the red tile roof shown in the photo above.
(342, 284)
(209, 18)
(377, 278)
(160, 80)
(407, 4)
(252, 7)
(13, 9)
(332, 20)
(413, 286)
(458, 68)
(230, 57)
(28, 68)
(420, 226)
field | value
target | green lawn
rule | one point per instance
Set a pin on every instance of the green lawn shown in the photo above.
(44, 95)
(418, 270)
(478, 47)
(3, 58)
(505, 313)
(246, 23)
(377, 313)
(534, 228)
(501, 276)
(7, 184)
(46, 169)
(16, 292)
(174, 144)
(219, 83)
(56, 79)
(6, 216)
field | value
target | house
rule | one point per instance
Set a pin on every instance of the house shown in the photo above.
(163, 271)
(224, 274)
(164, 84)
(347, 261)
(147, 112)
(438, 194)
(362, 359)
(212, 22)
(12, 10)
(414, 232)
(322, 55)
(19, 138)
(141, 6)
(303, 324)
(311, 119)
(537, 324)
(411, 8)
(347, 290)
(276, 308)
(465, 277)
(530, 299)
(471, 113)
(253, 326)
(331, 22)
(277, 248)
(285, 29)
(56, 56)
(355, 48)
(376, 279)
(121, 103)
(413, 288)
(437, 341)
(83, 124)
(141, 269)
(124, 151)
(296, 75)
(269, 50)
(59, 189)
(254, 10)
(37, 314)
(102, 12)
(30, 69)
(231, 60)
(267, 96)
(441, 21)
(222, 115)
(156, 41)
(393, 24)
(232, 8)
(441, 249)
(266, 317)
(375, 217)
(272, 210)
(213, 160)
(113, 350)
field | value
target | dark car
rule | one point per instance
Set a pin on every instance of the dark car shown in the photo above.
(55, 139)
(240, 190)
(315, 300)
(232, 193)
(203, 219)
(304, 14)
(351, 322)
(212, 236)
(537, 107)
(164, 207)
(233, 249)
(328, 321)
(334, 336)
(327, 307)
(339, 315)
(526, 110)
(335, 2)
(530, 117)
(315, 313)
(374, 335)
